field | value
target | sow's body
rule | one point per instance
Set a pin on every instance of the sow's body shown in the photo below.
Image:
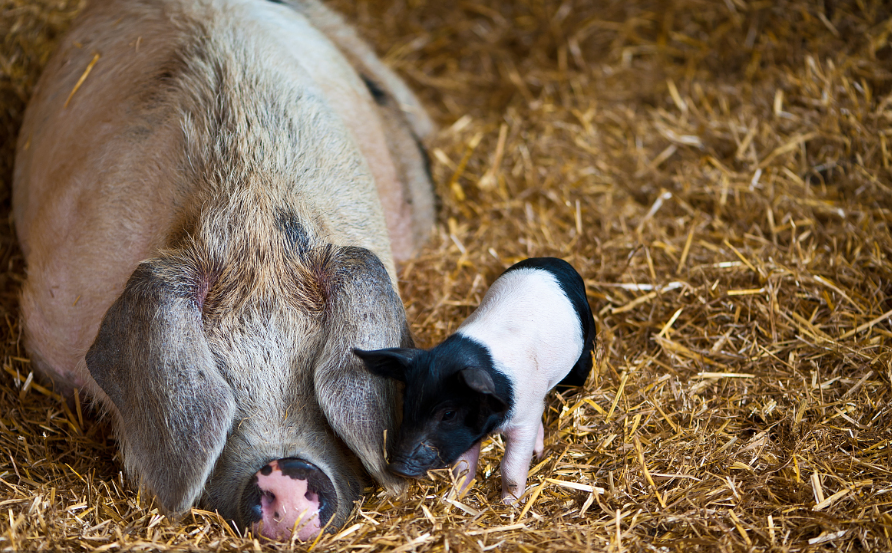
(210, 221)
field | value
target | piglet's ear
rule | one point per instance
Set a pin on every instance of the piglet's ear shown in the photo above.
(481, 381)
(389, 363)
(478, 380)
(171, 406)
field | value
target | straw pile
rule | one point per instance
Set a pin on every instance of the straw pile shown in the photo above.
(719, 173)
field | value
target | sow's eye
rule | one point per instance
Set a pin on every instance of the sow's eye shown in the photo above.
(447, 415)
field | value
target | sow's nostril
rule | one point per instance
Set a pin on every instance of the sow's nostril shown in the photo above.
(289, 496)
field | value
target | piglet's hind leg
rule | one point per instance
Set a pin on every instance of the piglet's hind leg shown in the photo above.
(540, 442)
(467, 462)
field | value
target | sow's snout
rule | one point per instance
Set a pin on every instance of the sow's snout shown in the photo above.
(289, 497)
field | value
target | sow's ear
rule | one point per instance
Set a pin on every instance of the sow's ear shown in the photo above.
(172, 407)
(481, 381)
(389, 363)
(362, 310)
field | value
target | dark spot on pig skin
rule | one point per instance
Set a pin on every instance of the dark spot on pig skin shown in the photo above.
(573, 287)
(296, 236)
(295, 468)
(433, 384)
(251, 507)
(266, 471)
(165, 79)
(375, 90)
(139, 133)
(425, 157)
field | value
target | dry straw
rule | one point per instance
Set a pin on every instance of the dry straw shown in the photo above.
(718, 171)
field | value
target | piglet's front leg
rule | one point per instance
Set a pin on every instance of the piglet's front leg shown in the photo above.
(522, 440)
(467, 462)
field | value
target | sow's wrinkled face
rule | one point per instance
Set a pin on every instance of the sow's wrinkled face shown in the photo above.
(250, 401)
(453, 398)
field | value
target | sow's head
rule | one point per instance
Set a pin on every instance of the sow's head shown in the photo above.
(236, 387)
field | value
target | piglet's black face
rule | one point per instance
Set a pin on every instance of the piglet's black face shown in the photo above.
(453, 398)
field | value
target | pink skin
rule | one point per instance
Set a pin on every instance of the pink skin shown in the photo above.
(287, 506)
(540, 441)
(468, 462)
(520, 445)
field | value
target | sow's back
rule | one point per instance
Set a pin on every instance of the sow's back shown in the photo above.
(210, 196)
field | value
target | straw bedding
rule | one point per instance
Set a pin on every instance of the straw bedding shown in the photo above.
(718, 172)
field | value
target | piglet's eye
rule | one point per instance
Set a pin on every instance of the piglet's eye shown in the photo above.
(448, 415)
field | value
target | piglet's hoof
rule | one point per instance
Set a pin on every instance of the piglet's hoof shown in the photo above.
(289, 497)
(508, 497)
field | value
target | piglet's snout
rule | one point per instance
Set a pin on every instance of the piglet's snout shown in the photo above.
(416, 462)
(289, 497)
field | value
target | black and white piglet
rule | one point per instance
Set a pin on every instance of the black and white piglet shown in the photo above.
(533, 330)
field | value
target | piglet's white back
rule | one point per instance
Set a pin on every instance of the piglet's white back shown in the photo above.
(531, 330)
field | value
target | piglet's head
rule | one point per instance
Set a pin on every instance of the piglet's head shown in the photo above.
(453, 398)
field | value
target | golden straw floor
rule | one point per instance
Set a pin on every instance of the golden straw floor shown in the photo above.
(717, 170)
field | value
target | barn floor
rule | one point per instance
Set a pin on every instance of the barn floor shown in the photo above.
(719, 173)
